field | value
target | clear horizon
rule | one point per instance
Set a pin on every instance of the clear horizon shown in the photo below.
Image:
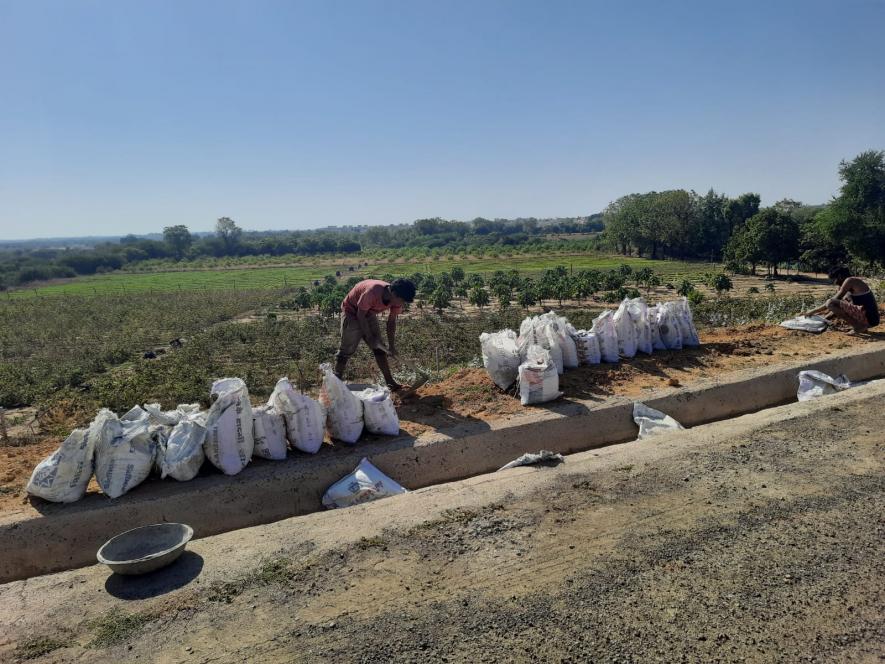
(127, 117)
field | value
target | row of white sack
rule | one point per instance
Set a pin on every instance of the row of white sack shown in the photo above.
(122, 452)
(633, 327)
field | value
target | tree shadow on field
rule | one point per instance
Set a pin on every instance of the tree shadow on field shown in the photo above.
(175, 576)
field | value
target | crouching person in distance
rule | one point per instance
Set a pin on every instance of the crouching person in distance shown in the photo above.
(359, 321)
(854, 302)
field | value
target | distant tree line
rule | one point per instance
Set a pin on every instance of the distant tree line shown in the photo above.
(20, 266)
(683, 224)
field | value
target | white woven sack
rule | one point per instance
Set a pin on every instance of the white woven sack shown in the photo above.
(365, 483)
(379, 413)
(269, 432)
(604, 329)
(538, 378)
(229, 441)
(625, 330)
(184, 449)
(344, 410)
(638, 311)
(652, 422)
(305, 418)
(124, 453)
(668, 326)
(63, 476)
(500, 356)
(657, 343)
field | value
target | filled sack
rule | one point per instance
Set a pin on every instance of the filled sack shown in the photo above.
(537, 331)
(652, 422)
(657, 342)
(184, 455)
(668, 327)
(365, 483)
(500, 356)
(685, 320)
(538, 378)
(344, 410)
(269, 432)
(560, 327)
(604, 329)
(304, 417)
(63, 476)
(638, 312)
(379, 413)
(587, 344)
(229, 441)
(625, 330)
(124, 453)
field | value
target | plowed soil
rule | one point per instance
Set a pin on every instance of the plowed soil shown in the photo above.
(469, 394)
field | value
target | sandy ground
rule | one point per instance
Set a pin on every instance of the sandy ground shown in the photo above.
(469, 394)
(756, 539)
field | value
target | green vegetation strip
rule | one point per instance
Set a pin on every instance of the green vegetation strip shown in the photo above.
(280, 277)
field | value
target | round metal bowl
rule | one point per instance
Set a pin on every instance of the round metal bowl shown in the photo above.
(145, 549)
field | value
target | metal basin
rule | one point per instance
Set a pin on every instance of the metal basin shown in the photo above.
(145, 549)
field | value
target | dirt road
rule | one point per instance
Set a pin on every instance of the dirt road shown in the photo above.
(757, 539)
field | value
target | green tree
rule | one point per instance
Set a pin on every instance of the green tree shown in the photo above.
(527, 297)
(457, 274)
(229, 233)
(856, 218)
(775, 235)
(720, 282)
(178, 238)
(479, 297)
(441, 299)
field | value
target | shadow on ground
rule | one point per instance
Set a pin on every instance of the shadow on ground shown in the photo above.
(175, 576)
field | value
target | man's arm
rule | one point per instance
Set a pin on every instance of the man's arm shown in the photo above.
(391, 333)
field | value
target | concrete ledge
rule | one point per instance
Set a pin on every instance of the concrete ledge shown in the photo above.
(59, 537)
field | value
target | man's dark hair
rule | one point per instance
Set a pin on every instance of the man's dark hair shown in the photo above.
(839, 274)
(403, 288)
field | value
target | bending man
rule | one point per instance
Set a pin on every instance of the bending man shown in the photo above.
(854, 302)
(359, 320)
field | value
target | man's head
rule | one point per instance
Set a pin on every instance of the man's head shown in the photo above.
(403, 291)
(838, 275)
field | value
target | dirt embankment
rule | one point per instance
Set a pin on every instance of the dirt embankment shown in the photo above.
(469, 394)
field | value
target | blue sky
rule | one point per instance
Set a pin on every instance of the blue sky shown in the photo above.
(120, 116)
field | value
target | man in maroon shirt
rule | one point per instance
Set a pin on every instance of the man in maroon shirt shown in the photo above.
(359, 320)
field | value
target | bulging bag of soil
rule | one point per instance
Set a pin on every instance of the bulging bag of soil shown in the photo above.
(638, 312)
(685, 319)
(657, 343)
(304, 417)
(604, 329)
(560, 327)
(124, 453)
(364, 484)
(379, 413)
(668, 326)
(63, 476)
(500, 357)
(587, 344)
(184, 454)
(538, 378)
(229, 441)
(269, 431)
(626, 330)
(537, 331)
(344, 410)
